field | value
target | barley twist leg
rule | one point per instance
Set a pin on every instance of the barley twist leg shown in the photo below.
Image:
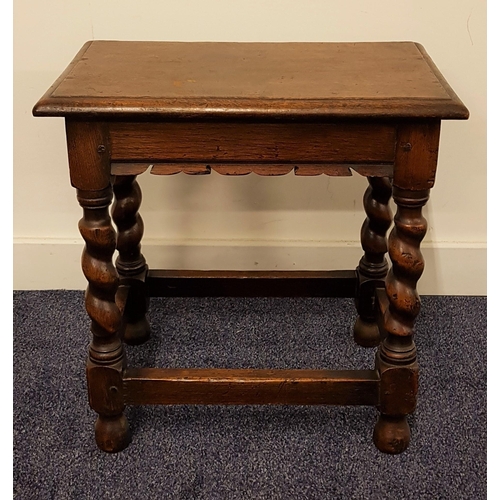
(131, 264)
(106, 359)
(372, 268)
(397, 357)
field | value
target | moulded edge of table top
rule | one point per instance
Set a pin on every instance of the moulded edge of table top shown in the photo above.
(250, 108)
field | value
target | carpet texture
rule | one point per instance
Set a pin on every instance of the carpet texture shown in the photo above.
(247, 452)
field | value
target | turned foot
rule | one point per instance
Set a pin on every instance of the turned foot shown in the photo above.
(112, 434)
(366, 334)
(391, 434)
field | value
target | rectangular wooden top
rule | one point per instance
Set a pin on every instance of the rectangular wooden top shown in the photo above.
(252, 80)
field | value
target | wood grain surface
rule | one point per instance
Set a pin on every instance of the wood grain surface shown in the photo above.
(236, 386)
(253, 142)
(209, 79)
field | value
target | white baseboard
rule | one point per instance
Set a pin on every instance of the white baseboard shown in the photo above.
(451, 269)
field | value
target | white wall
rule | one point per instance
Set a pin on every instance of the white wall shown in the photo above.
(248, 222)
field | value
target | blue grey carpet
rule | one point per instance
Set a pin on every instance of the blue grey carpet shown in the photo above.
(247, 452)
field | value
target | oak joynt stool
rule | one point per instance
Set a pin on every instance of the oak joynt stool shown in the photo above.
(266, 108)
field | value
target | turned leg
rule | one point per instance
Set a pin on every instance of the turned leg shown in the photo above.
(372, 268)
(414, 174)
(106, 358)
(131, 264)
(397, 358)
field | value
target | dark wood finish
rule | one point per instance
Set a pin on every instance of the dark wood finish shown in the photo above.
(416, 155)
(175, 283)
(128, 196)
(177, 168)
(252, 142)
(129, 168)
(381, 305)
(373, 170)
(131, 264)
(252, 80)
(268, 169)
(121, 297)
(241, 387)
(397, 358)
(372, 268)
(409, 229)
(106, 356)
(259, 169)
(267, 109)
(88, 154)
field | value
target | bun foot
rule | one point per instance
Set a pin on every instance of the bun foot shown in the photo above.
(137, 333)
(112, 434)
(391, 434)
(366, 334)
